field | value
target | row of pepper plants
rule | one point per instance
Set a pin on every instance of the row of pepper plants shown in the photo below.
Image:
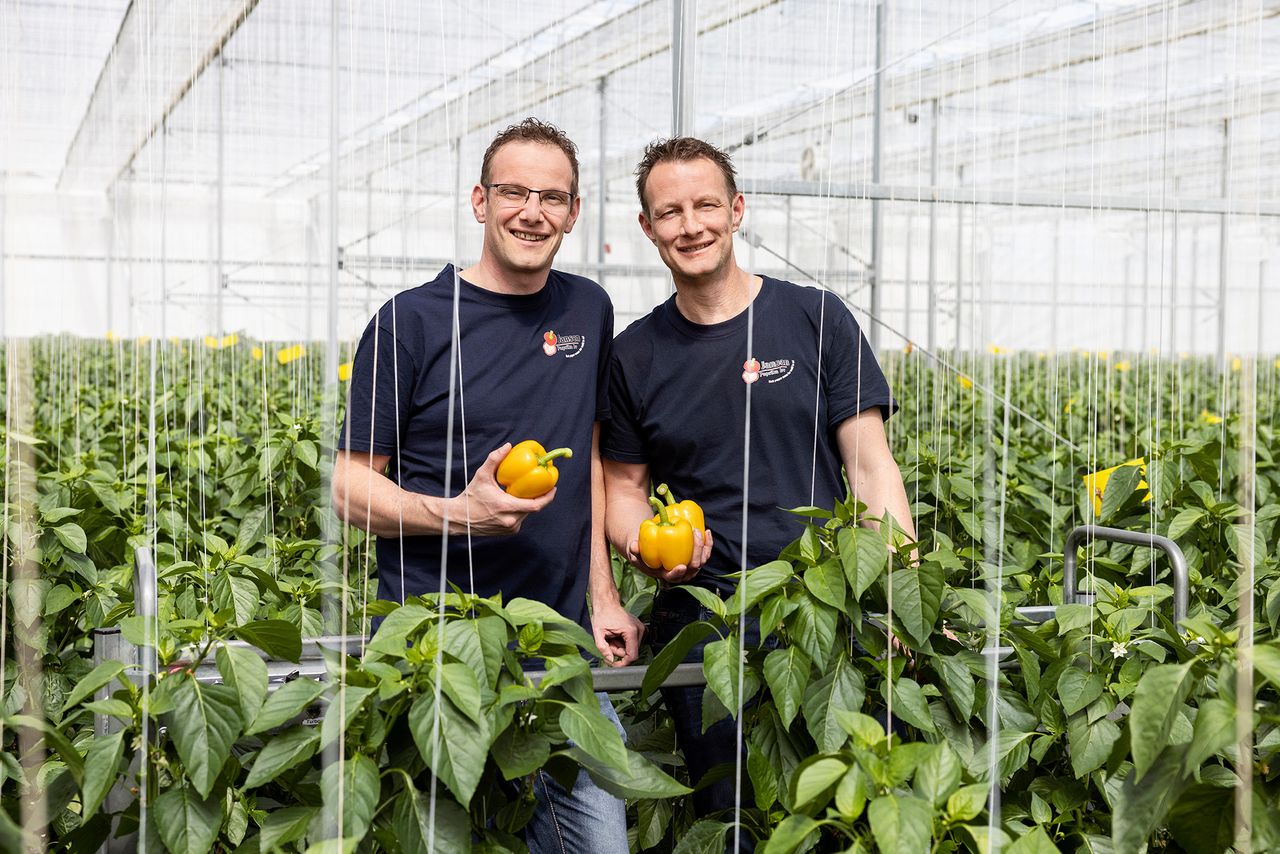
(1113, 730)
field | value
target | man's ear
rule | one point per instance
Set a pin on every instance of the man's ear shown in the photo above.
(739, 208)
(646, 226)
(477, 203)
(574, 210)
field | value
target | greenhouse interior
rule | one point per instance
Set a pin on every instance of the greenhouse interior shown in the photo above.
(961, 531)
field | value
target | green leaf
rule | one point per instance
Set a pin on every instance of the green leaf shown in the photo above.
(958, 681)
(345, 705)
(590, 730)
(672, 654)
(288, 701)
(705, 837)
(1214, 732)
(277, 638)
(1203, 819)
(1090, 744)
(204, 725)
(1035, 841)
(238, 594)
(826, 582)
(640, 779)
(1119, 489)
(902, 824)
(863, 556)
(852, 792)
(967, 802)
(361, 787)
(938, 775)
(89, 684)
(721, 664)
(760, 582)
(65, 749)
(518, 752)
(910, 704)
(101, 763)
(1078, 688)
(459, 682)
(57, 514)
(814, 777)
(253, 529)
(1266, 658)
(1143, 800)
(284, 751)
(786, 671)
(1184, 521)
(72, 537)
(246, 672)
(453, 746)
(842, 689)
(1074, 616)
(764, 779)
(418, 833)
(393, 634)
(286, 825)
(917, 598)
(1157, 700)
(58, 599)
(187, 824)
(813, 628)
(789, 835)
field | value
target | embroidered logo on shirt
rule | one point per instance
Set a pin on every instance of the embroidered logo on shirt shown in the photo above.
(569, 345)
(750, 371)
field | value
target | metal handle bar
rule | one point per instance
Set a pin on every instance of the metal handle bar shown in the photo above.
(1177, 560)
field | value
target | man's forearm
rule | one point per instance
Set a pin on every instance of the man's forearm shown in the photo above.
(372, 502)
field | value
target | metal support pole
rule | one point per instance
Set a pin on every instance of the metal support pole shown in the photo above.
(933, 228)
(1262, 283)
(959, 264)
(1055, 290)
(220, 280)
(684, 37)
(1173, 285)
(1146, 281)
(1194, 286)
(1222, 249)
(601, 245)
(164, 232)
(1124, 314)
(1078, 537)
(4, 257)
(907, 280)
(368, 230)
(877, 140)
(111, 255)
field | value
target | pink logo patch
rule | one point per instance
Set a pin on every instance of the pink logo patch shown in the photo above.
(549, 340)
(750, 371)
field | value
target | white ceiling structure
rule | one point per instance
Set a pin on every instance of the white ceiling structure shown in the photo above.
(1103, 143)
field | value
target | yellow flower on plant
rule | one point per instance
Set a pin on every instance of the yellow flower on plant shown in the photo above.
(1123, 366)
(1104, 355)
(256, 352)
(289, 354)
(1096, 483)
(111, 336)
(144, 340)
(1070, 403)
(1236, 364)
(344, 372)
(1209, 418)
(211, 342)
(964, 381)
(995, 350)
(230, 340)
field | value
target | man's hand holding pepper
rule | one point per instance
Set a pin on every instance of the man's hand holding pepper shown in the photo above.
(488, 509)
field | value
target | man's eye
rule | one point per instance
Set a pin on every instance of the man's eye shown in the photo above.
(558, 200)
(514, 193)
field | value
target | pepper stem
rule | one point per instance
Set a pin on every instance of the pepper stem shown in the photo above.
(665, 491)
(567, 453)
(662, 510)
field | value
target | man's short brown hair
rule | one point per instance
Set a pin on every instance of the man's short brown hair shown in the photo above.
(683, 148)
(532, 130)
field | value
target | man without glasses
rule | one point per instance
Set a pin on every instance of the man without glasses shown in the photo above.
(678, 391)
(532, 354)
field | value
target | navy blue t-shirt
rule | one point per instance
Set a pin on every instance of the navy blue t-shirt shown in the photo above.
(679, 397)
(529, 367)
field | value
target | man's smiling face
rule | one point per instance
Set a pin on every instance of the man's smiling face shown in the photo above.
(522, 238)
(691, 217)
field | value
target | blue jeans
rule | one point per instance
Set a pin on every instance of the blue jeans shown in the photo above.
(587, 820)
(672, 611)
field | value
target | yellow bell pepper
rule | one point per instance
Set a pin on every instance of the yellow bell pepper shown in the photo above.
(528, 470)
(687, 510)
(666, 543)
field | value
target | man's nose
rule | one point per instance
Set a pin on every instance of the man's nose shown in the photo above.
(532, 210)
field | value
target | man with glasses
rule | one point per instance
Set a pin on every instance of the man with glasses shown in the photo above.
(531, 357)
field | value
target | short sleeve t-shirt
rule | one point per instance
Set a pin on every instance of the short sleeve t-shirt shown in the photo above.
(528, 367)
(678, 391)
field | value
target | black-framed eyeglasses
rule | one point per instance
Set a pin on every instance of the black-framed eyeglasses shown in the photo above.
(515, 195)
